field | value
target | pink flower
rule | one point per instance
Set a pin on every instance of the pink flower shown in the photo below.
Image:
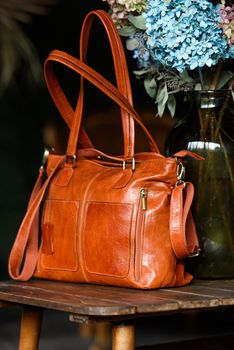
(227, 22)
(120, 9)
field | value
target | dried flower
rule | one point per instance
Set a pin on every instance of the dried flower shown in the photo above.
(226, 21)
(120, 9)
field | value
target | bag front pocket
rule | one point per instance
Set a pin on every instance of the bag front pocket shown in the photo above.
(107, 237)
(59, 235)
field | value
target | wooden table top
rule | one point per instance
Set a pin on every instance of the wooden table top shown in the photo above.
(102, 301)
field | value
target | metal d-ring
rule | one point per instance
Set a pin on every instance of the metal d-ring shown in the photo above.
(47, 151)
(180, 172)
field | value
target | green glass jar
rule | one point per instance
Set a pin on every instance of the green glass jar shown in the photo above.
(209, 131)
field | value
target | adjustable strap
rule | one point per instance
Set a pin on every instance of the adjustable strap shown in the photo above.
(25, 248)
(182, 228)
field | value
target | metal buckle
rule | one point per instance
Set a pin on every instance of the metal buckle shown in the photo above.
(70, 159)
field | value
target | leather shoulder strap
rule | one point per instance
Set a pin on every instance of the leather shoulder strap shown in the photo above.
(25, 248)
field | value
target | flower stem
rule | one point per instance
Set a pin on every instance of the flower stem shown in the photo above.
(201, 78)
(215, 80)
(220, 115)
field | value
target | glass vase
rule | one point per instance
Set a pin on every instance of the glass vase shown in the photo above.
(209, 131)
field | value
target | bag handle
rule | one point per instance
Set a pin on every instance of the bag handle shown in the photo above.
(120, 66)
(97, 80)
(121, 73)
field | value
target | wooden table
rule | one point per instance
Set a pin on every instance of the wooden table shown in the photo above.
(120, 306)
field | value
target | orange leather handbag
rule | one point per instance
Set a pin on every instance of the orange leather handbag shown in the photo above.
(115, 220)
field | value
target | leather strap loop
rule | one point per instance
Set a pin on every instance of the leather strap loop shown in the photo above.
(182, 228)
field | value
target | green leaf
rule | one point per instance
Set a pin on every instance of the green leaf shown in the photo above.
(150, 86)
(224, 78)
(171, 104)
(127, 30)
(153, 83)
(161, 99)
(162, 94)
(131, 44)
(137, 21)
(161, 109)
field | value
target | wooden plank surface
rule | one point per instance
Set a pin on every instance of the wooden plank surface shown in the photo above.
(46, 295)
(96, 300)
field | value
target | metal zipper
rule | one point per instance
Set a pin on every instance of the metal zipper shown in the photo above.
(140, 231)
(144, 198)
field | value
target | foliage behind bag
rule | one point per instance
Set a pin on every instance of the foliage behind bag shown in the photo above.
(121, 221)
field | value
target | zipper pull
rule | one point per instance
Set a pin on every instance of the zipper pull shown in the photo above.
(144, 199)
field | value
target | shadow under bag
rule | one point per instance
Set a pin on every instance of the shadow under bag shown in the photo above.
(95, 218)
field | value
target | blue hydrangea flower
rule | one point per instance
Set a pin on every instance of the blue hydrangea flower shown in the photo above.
(185, 33)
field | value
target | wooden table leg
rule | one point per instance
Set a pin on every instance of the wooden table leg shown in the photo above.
(123, 337)
(30, 328)
(101, 336)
